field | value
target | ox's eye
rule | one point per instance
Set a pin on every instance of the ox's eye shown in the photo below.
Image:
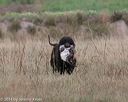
(61, 48)
(72, 48)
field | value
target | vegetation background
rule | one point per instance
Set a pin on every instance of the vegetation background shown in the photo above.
(68, 5)
(100, 31)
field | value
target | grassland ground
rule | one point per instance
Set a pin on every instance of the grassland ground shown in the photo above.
(101, 74)
(99, 5)
(63, 5)
(101, 38)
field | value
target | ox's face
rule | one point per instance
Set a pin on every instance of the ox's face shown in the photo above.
(67, 53)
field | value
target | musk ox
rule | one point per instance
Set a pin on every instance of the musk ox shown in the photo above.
(62, 56)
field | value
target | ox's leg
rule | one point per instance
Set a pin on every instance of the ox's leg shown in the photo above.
(69, 70)
(62, 69)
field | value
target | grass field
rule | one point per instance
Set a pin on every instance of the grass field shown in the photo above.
(101, 74)
(71, 5)
(98, 5)
(101, 41)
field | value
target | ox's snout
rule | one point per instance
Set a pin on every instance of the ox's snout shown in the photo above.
(71, 60)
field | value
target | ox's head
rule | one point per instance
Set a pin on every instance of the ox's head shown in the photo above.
(67, 52)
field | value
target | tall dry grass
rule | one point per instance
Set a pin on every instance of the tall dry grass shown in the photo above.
(101, 74)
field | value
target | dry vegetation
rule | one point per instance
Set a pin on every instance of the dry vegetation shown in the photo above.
(16, 26)
(101, 74)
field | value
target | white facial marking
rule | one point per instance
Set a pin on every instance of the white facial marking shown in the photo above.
(65, 54)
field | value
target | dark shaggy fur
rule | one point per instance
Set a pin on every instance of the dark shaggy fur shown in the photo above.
(56, 62)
